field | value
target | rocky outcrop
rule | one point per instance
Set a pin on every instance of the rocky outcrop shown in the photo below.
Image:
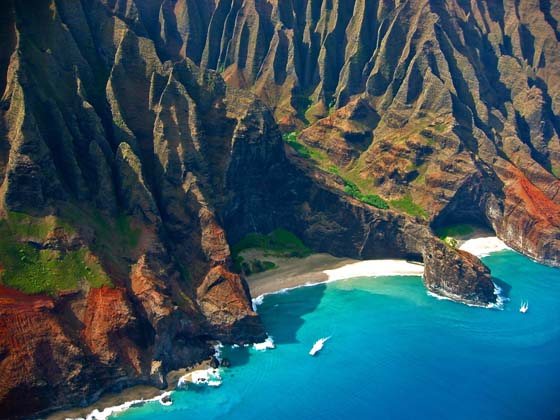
(40, 360)
(457, 275)
(309, 201)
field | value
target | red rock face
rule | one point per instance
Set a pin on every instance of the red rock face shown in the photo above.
(224, 300)
(108, 325)
(531, 220)
(111, 110)
(38, 358)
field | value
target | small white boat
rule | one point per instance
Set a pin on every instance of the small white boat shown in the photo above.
(318, 346)
(524, 307)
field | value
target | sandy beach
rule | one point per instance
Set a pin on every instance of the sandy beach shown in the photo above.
(321, 268)
(292, 273)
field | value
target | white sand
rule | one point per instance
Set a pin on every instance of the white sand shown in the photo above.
(482, 247)
(323, 268)
(371, 268)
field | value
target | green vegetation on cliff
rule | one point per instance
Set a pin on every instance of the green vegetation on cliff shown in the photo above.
(25, 264)
(333, 169)
(278, 243)
(114, 236)
(22, 225)
(303, 150)
(252, 267)
(452, 242)
(371, 199)
(407, 205)
(291, 139)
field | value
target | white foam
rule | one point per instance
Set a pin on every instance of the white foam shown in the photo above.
(210, 377)
(499, 304)
(265, 345)
(500, 299)
(218, 351)
(109, 411)
(257, 301)
(482, 247)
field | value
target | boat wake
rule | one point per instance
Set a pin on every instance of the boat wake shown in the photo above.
(318, 346)
(524, 306)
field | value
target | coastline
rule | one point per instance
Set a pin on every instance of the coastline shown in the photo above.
(116, 402)
(290, 273)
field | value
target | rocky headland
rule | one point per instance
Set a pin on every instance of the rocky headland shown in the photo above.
(140, 140)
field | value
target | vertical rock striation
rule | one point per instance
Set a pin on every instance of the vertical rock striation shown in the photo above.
(132, 125)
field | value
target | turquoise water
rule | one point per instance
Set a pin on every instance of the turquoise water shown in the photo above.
(395, 352)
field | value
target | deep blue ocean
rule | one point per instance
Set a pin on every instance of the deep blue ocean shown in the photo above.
(395, 353)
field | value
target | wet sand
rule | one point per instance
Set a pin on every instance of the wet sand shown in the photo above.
(320, 268)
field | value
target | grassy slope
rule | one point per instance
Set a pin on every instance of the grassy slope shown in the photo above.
(27, 267)
(354, 186)
(279, 243)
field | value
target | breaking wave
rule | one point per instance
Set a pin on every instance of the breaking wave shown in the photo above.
(265, 345)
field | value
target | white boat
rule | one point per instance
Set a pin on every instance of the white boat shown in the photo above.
(318, 346)
(524, 307)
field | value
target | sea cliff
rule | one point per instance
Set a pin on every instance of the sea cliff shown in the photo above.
(139, 140)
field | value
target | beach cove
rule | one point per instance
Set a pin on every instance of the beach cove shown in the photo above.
(391, 279)
(392, 342)
(291, 273)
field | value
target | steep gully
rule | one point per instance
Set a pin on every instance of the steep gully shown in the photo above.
(112, 108)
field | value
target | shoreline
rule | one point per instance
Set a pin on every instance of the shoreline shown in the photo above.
(293, 273)
(290, 273)
(116, 402)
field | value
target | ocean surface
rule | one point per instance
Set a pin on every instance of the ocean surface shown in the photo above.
(394, 353)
